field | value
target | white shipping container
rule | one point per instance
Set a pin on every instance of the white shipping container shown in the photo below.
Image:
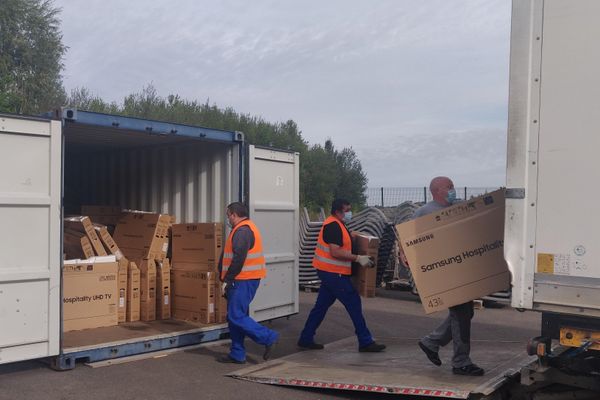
(90, 158)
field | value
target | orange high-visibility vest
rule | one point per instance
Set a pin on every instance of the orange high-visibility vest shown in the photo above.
(255, 264)
(323, 259)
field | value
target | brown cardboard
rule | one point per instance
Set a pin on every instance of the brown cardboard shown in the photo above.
(76, 245)
(147, 290)
(163, 289)
(90, 295)
(133, 293)
(122, 284)
(197, 243)
(181, 266)
(105, 215)
(365, 279)
(84, 224)
(220, 304)
(143, 235)
(193, 295)
(456, 254)
(108, 241)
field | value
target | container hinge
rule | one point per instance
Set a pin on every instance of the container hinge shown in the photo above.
(514, 193)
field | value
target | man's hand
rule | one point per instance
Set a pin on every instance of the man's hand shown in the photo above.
(224, 289)
(402, 257)
(365, 261)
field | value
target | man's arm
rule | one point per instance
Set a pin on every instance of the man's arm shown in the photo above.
(220, 265)
(243, 241)
(341, 254)
(332, 235)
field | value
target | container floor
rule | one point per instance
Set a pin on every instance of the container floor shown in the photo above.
(130, 332)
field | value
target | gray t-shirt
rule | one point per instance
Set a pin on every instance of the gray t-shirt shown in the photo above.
(428, 208)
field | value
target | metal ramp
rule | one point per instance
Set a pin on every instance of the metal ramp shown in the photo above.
(401, 369)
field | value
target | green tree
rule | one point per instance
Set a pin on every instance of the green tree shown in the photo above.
(31, 52)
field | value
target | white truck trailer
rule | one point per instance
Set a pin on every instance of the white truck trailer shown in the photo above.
(49, 166)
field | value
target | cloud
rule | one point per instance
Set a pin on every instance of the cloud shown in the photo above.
(376, 76)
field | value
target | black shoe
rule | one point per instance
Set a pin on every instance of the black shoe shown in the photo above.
(432, 355)
(469, 370)
(267, 353)
(372, 348)
(311, 346)
(228, 360)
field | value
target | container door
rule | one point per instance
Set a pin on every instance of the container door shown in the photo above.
(30, 211)
(273, 199)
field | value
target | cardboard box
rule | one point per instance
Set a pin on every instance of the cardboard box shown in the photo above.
(197, 243)
(193, 295)
(182, 266)
(84, 225)
(147, 290)
(90, 295)
(163, 289)
(456, 254)
(108, 241)
(142, 235)
(220, 304)
(133, 293)
(122, 285)
(365, 279)
(76, 245)
(105, 215)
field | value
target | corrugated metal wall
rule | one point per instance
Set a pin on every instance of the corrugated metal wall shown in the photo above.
(192, 181)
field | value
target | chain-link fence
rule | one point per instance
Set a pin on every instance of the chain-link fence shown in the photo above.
(393, 196)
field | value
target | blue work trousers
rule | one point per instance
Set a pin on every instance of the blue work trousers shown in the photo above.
(336, 287)
(239, 296)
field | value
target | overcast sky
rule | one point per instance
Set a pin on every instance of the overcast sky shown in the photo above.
(417, 87)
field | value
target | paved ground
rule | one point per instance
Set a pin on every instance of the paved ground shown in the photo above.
(195, 375)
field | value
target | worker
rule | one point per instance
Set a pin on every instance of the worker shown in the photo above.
(457, 326)
(241, 267)
(333, 259)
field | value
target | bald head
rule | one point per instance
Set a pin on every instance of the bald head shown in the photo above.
(439, 187)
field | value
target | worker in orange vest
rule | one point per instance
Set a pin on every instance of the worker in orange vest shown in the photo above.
(242, 266)
(333, 261)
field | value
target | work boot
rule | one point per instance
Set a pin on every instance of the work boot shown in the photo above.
(372, 348)
(469, 370)
(432, 355)
(228, 360)
(311, 346)
(268, 349)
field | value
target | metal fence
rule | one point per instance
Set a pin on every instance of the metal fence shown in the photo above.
(394, 196)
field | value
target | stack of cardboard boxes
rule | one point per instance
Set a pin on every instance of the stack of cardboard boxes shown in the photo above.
(127, 277)
(144, 238)
(365, 279)
(105, 215)
(196, 294)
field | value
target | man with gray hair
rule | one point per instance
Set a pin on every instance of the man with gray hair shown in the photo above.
(457, 326)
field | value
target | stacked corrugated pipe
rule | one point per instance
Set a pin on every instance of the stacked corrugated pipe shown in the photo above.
(370, 221)
(309, 232)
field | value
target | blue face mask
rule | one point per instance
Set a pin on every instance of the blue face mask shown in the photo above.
(347, 216)
(451, 196)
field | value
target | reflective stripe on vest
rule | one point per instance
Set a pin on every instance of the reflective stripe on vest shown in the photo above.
(323, 259)
(254, 265)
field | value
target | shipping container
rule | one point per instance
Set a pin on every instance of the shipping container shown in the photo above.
(52, 166)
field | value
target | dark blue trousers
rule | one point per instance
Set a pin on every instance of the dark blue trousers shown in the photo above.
(239, 296)
(336, 287)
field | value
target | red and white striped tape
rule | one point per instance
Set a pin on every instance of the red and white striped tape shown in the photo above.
(371, 388)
